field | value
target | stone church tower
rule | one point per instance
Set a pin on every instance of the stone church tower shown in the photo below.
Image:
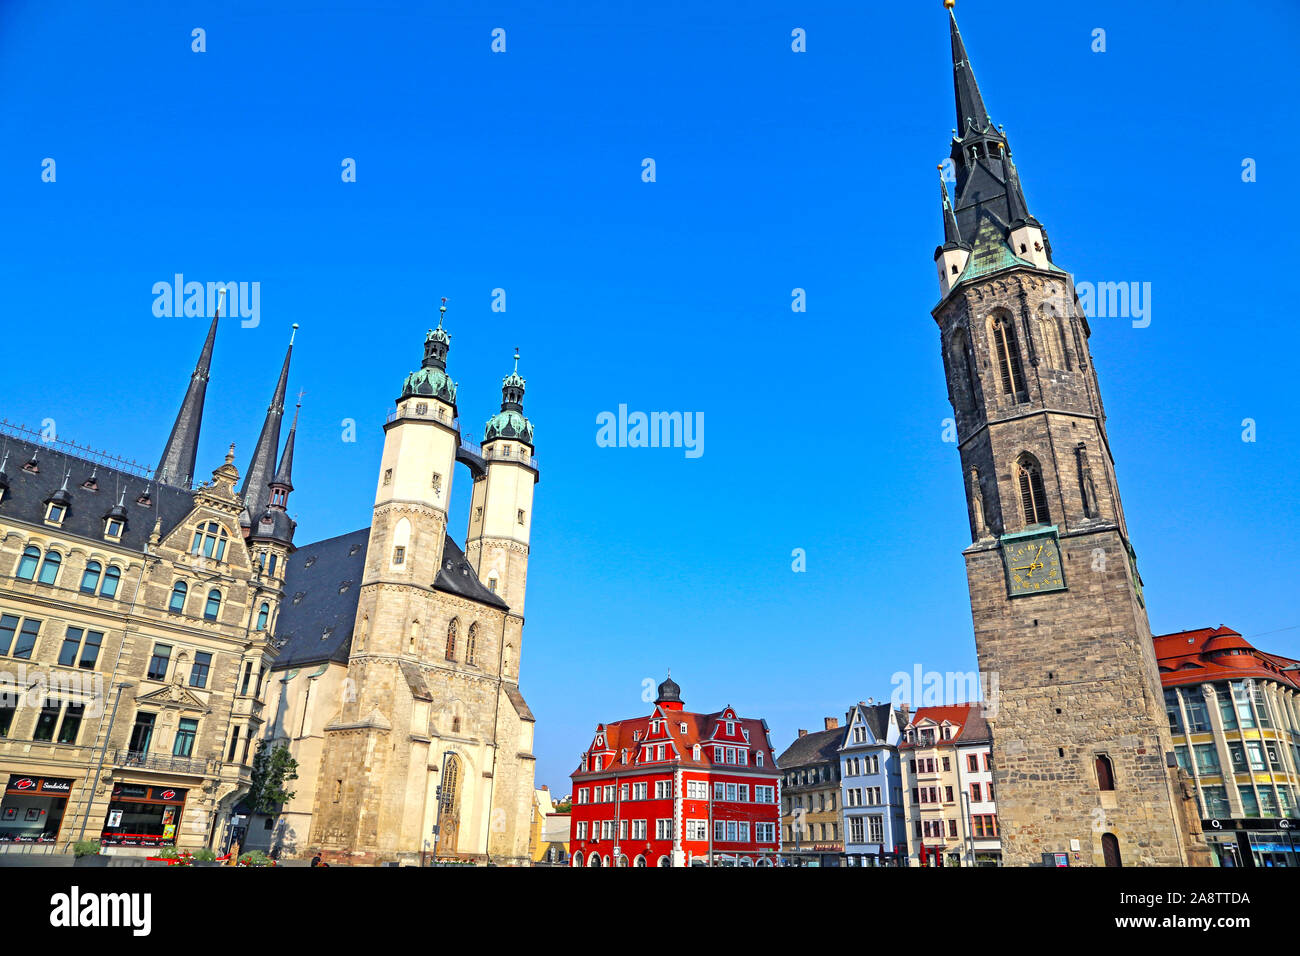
(429, 749)
(1082, 752)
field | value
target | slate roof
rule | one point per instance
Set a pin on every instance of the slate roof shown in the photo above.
(876, 717)
(819, 747)
(456, 576)
(319, 612)
(27, 492)
(317, 617)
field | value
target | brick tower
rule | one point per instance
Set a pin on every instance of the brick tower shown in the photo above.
(1081, 743)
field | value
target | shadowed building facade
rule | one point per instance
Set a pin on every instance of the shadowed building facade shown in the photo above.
(1081, 748)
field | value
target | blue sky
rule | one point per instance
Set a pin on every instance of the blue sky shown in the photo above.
(775, 170)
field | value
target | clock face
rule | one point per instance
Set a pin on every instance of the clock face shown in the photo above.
(1033, 566)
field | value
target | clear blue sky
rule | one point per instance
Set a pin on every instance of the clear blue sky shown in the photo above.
(775, 170)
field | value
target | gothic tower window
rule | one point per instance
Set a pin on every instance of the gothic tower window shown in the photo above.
(1033, 497)
(471, 641)
(959, 357)
(1049, 333)
(263, 613)
(401, 538)
(1006, 355)
(451, 639)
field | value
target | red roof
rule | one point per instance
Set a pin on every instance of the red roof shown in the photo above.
(1213, 654)
(955, 714)
(704, 729)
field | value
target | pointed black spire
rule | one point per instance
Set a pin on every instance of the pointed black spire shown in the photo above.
(256, 491)
(971, 114)
(176, 467)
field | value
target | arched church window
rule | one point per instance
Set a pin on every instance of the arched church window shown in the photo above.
(471, 642)
(177, 602)
(213, 607)
(1033, 497)
(451, 639)
(1006, 353)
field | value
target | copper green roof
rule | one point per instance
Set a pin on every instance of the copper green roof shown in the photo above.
(431, 381)
(508, 423)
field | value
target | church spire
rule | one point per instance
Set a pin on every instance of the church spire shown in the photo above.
(256, 491)
(284, 474)
(971, 114)
(176, 466)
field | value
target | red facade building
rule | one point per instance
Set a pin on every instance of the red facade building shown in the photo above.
(677, 789)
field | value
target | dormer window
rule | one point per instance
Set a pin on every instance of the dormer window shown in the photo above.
(113, 528)
(55, 512)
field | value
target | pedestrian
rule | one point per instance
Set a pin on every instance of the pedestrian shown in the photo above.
(315, 860)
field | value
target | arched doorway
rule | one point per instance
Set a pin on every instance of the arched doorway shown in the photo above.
(449, 806)
(663, 861)
(1110, 849)
(595, 860)
(577, 859)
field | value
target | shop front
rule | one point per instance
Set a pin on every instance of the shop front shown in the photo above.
(32, 809)
(1254, 842)
(143, 815)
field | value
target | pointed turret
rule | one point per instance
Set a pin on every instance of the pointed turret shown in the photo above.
(510, 421)
(284, 474)
(951, 234)
(176, 466)
(257, 491)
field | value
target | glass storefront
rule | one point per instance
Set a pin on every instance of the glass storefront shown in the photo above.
(1254, 842)
(32, 809)
(141, 815)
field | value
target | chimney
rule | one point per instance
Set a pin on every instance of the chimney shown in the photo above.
(904, 709)
(802, 732)
(832, 723)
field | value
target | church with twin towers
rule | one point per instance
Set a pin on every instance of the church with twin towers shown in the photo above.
(395, 683)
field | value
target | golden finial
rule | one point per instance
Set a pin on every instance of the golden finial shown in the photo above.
(950, 3)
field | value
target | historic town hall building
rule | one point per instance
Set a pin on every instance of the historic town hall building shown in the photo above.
(1083, 761)
(677, 789)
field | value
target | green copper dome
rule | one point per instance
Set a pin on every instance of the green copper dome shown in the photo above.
(431, 381)
(508, 423)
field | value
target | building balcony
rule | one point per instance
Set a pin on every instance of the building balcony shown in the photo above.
(163, 763)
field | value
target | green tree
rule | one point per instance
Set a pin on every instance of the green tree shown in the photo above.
(273, 768)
